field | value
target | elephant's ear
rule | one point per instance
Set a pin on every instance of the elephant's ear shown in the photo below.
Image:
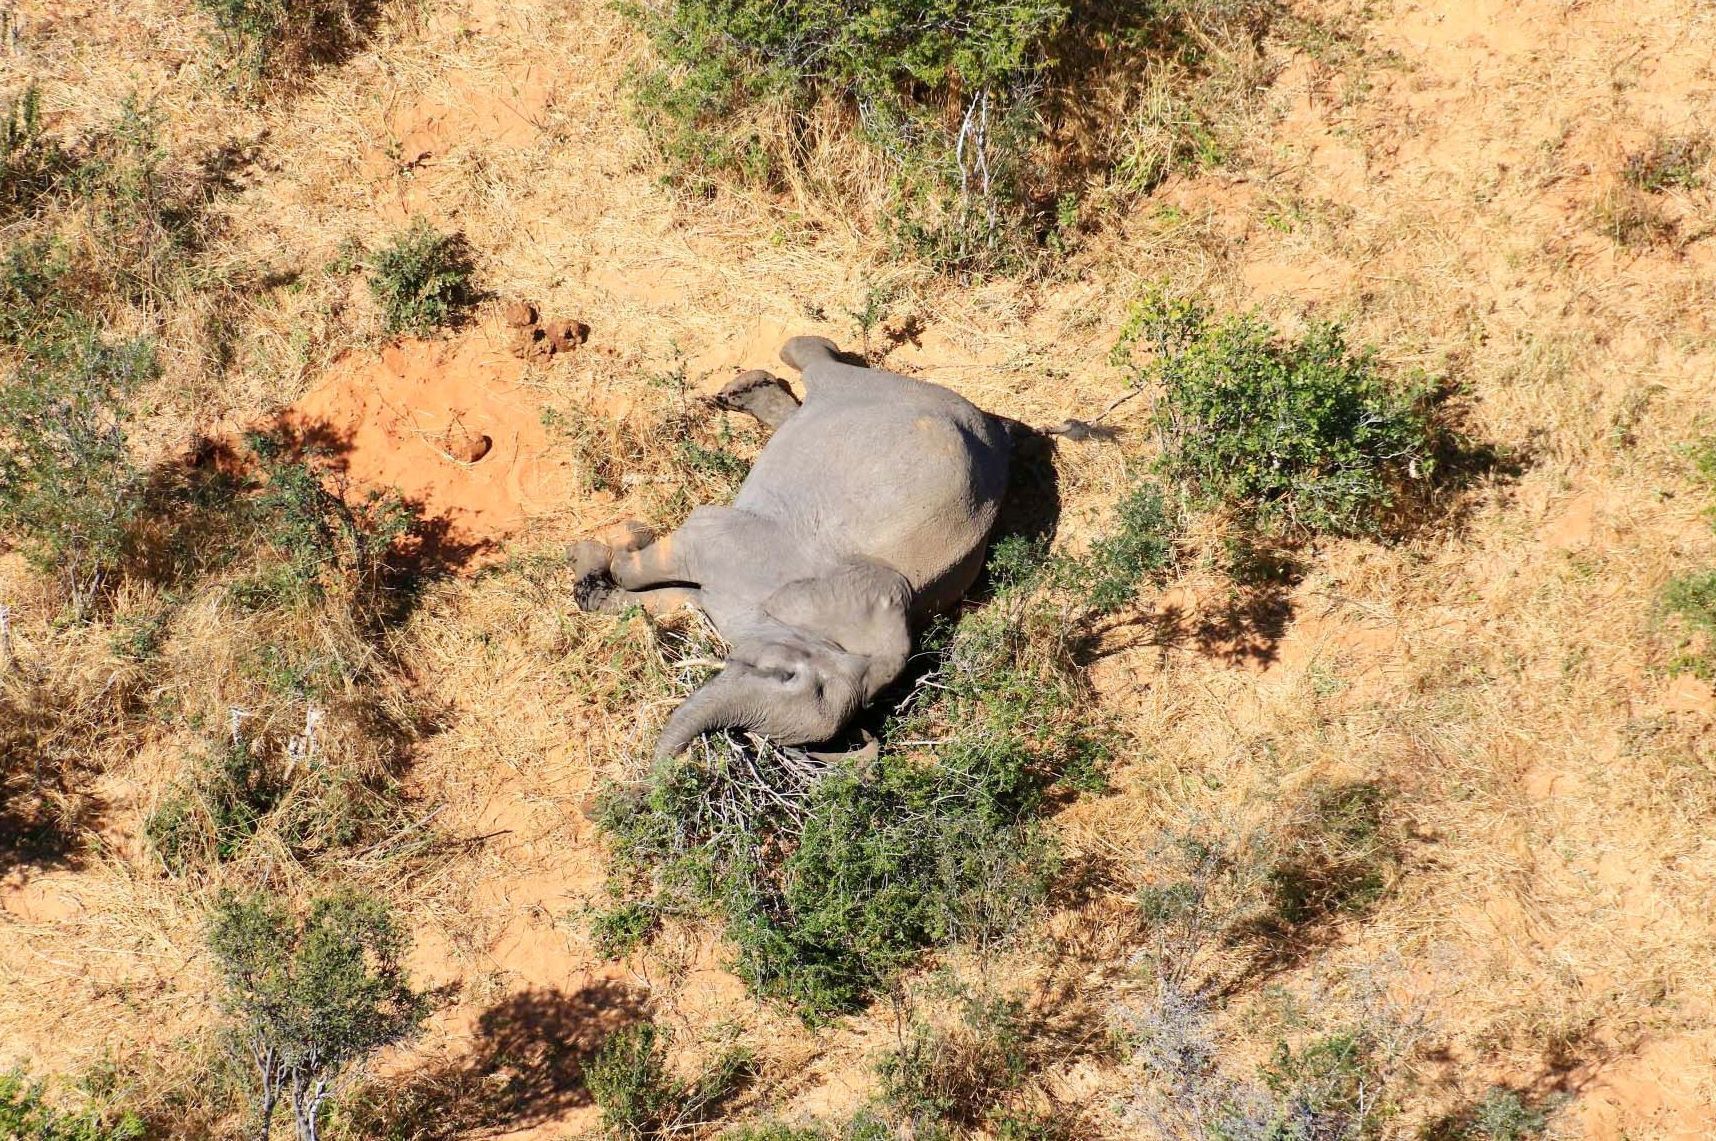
(863, 607)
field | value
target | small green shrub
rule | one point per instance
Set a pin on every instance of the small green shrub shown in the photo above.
(1140, 549)
(1330, 1087)
(1301, 436)
(208, 819)
(24, 1116)
(323, 538)
(620, 930)
(69, 489)
(311, 996)
(1692, 599)
(639, 1096)
(1672, 162)
(1503, 1115)
(422, 280)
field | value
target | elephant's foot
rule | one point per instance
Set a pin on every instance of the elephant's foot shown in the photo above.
(589, 560)
(630, 535)
(759, 394)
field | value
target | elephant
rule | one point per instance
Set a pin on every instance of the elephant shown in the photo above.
(868, 511)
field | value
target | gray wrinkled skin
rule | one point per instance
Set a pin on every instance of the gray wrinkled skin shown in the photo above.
(868, 510)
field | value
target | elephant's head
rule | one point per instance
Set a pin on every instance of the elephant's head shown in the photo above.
(793, 691)
(819, 649)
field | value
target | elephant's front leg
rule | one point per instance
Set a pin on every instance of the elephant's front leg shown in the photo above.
(615, 573)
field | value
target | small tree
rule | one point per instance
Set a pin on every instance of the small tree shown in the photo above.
(68, 485)
(312, 997)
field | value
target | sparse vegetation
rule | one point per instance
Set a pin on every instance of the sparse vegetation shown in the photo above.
(25, 1116)
(69, 487)
(277, 38)
(1673, 162)
(967, 1073)
(1161, 823)
(422, 280)
(640, 1097)
(1301, 436)
(1690, 599)
(311, 997)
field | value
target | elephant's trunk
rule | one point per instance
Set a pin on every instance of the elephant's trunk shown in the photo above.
(721, 703)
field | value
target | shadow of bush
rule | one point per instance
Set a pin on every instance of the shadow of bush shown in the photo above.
(527, 1067)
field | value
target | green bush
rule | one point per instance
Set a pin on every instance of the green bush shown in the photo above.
(1332, 1086)
(69, 489)
(24, 1116)
(322, 537)
(833, 876)
(312, 996)
(621, 929)
(959, 100)
(422, 280)
(1296, 437)
(1140, 549)
(639, 1096)
(210, 818)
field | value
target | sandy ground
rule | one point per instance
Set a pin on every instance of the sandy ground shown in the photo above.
(1431, 179)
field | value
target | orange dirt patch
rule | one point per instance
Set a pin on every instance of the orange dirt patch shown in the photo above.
(447, 425)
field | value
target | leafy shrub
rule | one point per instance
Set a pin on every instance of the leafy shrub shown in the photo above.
(621, 929)
(1139, 549)
(639, 1096)
(312, 996)
(422, 280)
(1297, 436)
(322, 536)
(68, 487)
(832, 876)
(955, 99)
(1331, 1087)
(24, 1116)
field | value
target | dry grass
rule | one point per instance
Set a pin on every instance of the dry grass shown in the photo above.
(1438, 180)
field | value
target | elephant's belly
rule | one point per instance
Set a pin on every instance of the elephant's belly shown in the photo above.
(916, 491)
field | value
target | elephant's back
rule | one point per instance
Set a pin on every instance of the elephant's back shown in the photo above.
(913, 478)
